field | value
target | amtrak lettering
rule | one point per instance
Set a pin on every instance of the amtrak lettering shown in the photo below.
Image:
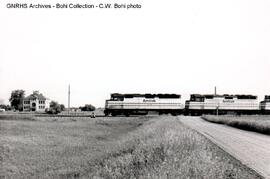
(228, 101)
(149, 100)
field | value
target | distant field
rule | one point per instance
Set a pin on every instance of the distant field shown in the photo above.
(259, 124)
(114, 147)
(99, 112)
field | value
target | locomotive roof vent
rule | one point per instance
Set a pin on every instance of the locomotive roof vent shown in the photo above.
(147, 95)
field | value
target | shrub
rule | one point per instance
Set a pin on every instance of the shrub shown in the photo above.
(88, 107)
(55, 108)
(259, 124)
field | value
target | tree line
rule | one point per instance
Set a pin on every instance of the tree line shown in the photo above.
(16, 103)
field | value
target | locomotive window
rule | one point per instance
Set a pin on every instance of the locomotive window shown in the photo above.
(200, 99)
(197, 99)
(118, 99)
(209, 96)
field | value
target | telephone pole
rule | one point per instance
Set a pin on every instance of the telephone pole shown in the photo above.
(218, 103)
(68, 98)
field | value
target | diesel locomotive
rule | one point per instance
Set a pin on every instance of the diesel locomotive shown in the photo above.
(127, 104)
(221, 104)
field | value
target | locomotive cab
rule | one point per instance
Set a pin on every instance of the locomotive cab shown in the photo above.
(265, 105)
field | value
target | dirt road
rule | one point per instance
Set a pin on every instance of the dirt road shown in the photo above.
(252, 149)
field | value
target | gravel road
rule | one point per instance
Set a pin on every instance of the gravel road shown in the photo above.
(251, 148)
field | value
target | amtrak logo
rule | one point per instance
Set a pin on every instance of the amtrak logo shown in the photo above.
(149, 100)
(228, 101)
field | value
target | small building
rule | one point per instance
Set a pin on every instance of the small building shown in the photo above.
(36, 102)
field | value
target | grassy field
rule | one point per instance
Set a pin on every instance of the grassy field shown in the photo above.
(114, 147)
(259, 124)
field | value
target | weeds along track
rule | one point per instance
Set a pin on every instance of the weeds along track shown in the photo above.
(259, 124)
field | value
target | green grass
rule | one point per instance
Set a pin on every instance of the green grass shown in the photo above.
(259, 124)
(116, 147)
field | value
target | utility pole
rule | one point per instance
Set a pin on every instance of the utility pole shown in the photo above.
(68, 98)
(218, 103)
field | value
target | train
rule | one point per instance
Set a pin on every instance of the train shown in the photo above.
(198, 104)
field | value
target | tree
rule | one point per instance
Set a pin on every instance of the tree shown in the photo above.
(88, 107)
(55, 108)
(16, 99)
(62, 107)
(6, 107)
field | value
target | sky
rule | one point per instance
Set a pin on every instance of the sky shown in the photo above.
(172, 46)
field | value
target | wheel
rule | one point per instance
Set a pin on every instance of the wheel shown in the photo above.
(174, 114)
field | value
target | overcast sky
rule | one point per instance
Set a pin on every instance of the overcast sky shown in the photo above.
(174, 46)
